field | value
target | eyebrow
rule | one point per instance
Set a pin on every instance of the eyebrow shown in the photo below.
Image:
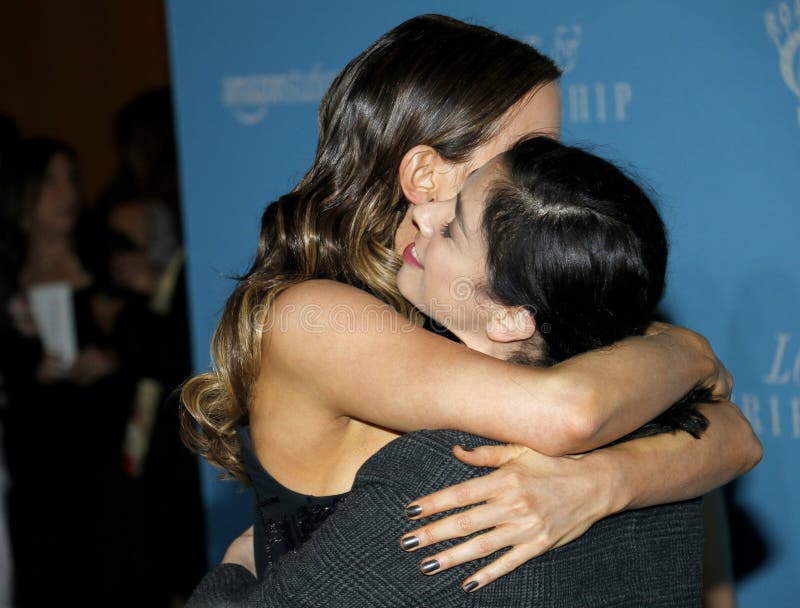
(459, 219)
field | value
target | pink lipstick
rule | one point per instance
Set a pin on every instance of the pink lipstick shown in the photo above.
(409, 255)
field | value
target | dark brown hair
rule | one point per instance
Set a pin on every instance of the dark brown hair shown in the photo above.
(580, 245)
(431, 80)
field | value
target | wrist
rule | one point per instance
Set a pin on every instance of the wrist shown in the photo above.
(614, 490)
(697, 347)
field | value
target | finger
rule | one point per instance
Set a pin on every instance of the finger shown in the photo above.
(463, 494)
(507, 562)
(475, 548)
(454, 526)
(730, 385)
(487, 455)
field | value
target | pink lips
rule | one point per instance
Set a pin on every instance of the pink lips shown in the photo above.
(409, 257)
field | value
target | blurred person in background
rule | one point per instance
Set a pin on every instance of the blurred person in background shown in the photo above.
(65, 421)
(161, 542)
(9, 139)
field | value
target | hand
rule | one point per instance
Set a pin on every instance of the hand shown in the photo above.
(93, 363)
(532, 503)
(242, 552)
(105, 311)
(51, 369)
(720, 379)
(134, 270)
(22, 316)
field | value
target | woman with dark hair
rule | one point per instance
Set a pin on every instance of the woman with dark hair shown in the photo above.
(61, 412)
(557, 253)
(316, 368)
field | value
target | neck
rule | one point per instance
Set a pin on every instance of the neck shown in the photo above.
(45, 245)
(51, 257)
(482, 343)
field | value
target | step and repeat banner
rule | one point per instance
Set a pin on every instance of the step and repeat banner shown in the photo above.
(702, 100)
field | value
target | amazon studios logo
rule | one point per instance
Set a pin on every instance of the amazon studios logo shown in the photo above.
(773, 412)
(597, 102)
(783, 26)
(249, 97)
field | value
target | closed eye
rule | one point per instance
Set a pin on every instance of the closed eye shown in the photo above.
(445, 230)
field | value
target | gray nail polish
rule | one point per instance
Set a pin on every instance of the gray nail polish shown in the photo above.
(470, 586)
(430, 566)
(409, 542)
(413, 510)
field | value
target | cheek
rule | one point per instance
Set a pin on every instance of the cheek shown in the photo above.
(51, 210)
(405, 232)
(439, 272)
(44, 208)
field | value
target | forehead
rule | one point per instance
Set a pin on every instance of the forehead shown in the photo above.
(476, 188)
(58, 163)
(538, 112)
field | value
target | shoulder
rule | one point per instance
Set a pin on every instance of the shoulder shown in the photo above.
(324, 292)
(321, 307)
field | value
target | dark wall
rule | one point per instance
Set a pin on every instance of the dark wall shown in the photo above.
(67, 67)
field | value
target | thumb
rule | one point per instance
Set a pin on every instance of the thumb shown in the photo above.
(487, 455)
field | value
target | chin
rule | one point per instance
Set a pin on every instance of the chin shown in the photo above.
(405, 286)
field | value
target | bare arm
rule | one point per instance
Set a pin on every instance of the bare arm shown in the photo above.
(535, 503)
(365, 361)
(666, 468)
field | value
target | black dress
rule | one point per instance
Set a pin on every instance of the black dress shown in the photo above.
(283, 519)
(62, 445)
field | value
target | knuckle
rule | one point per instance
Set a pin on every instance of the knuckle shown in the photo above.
(512, 561)
(523, 506)
(426, 536)
(464, 523)
(445, 560)
(463, 494)
(485, 546)
(514, 478)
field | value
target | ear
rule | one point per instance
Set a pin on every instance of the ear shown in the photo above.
(425, 176)
(510, 324)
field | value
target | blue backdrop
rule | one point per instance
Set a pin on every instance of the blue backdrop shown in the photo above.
(702, 99)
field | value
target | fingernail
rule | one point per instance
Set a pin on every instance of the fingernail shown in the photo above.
(466, 448)
(470, 586)
(430, 566)
(413, 510)
(409, 542)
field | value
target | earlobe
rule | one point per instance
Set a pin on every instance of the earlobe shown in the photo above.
(510, 324)
(426, 177)
(417, 174)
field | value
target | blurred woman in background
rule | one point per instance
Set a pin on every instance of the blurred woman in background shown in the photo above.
(65, 418)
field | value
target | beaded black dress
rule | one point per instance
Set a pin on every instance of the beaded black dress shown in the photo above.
(283, 519)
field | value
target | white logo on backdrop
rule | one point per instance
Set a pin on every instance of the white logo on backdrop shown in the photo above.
(598, 102)
(250, 96)
(565, 48)
(564, 51)
(773, 412)
(783, 26)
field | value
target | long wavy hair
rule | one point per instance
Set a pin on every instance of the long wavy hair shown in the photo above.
(431, 80)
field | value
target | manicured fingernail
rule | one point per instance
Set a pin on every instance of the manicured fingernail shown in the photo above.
(470, 586)
(413, 510)
(409, 542)
(430, 566)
